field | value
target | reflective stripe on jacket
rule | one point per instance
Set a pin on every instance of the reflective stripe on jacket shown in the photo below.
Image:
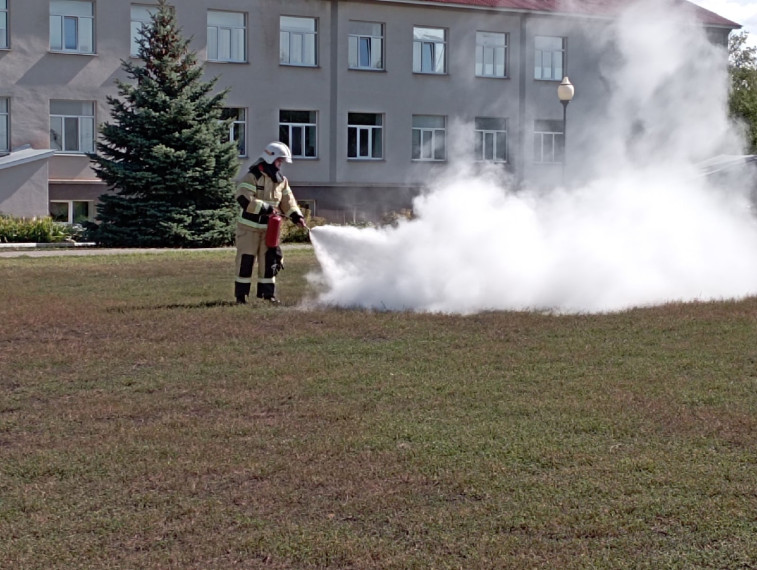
(257, 195)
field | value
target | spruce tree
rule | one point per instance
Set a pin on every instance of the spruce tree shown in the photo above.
(166, 155)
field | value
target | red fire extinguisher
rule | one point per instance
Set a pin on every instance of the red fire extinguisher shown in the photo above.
(274, 230)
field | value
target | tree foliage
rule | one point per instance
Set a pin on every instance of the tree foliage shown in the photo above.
(166, 155)
(742, 64)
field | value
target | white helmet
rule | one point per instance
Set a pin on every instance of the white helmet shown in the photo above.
(276, 150)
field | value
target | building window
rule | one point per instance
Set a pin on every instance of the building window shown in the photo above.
(549, 59)
(366, 45)
(298, 41)
(72, 126)
(238, 127)
(491, 139)
(72, 26)
(491, 54)
(297, 130)
(429, 137)
(549, 145)
(140, 16)
(365, 136)
(226, 36)
(3, 24)
(429, 50)
(5, 139)
(71, 211)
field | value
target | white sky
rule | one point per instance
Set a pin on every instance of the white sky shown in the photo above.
(742, 12)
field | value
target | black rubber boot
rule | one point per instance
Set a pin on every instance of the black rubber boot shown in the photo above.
(266, 291)
(241, 290)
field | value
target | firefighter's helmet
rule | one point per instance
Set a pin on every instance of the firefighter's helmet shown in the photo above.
(276, 150)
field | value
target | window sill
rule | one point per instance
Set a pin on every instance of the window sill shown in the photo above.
(360, 159)
(89, 53)
(306, 66)
(492, 77)
(431, 74)
(224, 61)
(368, 69)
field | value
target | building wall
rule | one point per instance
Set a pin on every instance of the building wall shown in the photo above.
(31, 76)
(23, 191)
(458, 94)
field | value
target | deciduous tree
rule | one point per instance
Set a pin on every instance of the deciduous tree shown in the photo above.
(742, 65)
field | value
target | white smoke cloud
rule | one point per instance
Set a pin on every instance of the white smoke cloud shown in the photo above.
(646, 228)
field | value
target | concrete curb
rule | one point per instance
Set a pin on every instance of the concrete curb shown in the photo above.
(91, 250)
(62, 244)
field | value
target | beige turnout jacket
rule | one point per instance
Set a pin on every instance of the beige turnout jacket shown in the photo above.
(257, 195)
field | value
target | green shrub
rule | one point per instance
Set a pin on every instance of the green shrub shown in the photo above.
(393, 218)
(34, 230)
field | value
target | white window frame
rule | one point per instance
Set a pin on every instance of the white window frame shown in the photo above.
(550, 63)
(429, 53)
(297, 41)
(368, 136)
(361, 40)
(428, 139)
(549, 141)
(5, 124)
(4, 36)
(63, 123)
(491, 54)
(72, 210)
(76, 13)
(298, 133)
(238, 127)
(140, 16)
(488, 147)
(227, 39)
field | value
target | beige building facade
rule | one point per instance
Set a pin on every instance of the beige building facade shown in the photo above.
(373, 96)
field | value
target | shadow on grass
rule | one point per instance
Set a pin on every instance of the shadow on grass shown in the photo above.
(200, 305)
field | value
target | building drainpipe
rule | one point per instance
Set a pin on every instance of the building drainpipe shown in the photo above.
(334, 103)
(520, 165)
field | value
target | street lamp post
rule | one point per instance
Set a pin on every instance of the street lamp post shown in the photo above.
(565, 92)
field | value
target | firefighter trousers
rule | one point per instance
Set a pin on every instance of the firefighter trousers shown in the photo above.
(251, 246)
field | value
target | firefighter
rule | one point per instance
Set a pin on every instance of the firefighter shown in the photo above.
(262, 192)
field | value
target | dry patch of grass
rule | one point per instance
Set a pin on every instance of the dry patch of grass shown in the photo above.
(146, 421)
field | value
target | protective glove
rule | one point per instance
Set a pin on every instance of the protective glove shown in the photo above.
(275, 259)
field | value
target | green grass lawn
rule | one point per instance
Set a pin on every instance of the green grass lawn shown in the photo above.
(148, 422)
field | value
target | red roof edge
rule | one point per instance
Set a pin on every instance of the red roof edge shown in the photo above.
(708, 17)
